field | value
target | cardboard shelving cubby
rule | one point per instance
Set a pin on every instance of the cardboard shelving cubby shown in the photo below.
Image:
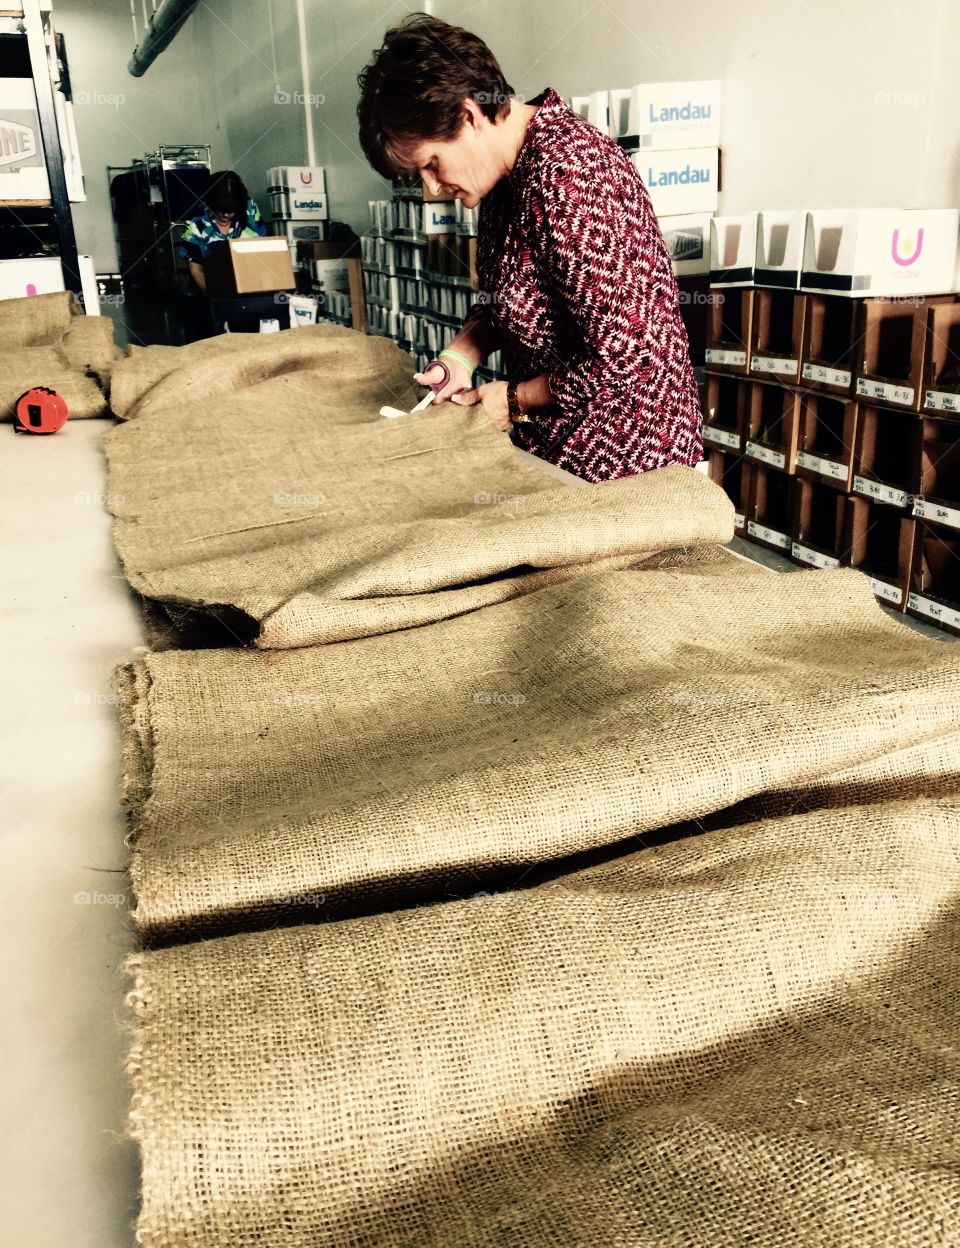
(828, 428)
(732, 473)
(769, 508)
(935, 583)
(776, 342)
(879, 541)
(728, 338)
(832, 331)
(939, 487)
(724, 412)
(941, 382)
(892, 355)
(819, 514)
(773, 425)
(886, 459)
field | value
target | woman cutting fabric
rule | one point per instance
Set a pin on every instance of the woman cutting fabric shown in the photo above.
(578, 288)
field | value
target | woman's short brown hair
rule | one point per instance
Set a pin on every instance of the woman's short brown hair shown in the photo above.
(226, 193)
(416, 84)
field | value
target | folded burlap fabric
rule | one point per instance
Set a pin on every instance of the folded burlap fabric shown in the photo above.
(413, 765)
(751, 1036)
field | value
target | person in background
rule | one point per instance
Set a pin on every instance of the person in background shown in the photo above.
(577, 287)
(229, 212)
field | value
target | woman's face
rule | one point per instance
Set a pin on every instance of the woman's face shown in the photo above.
(466, 167)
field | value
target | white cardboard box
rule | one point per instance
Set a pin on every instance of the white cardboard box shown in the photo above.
(440, 218)
(304, 178)
(23, 170)
(595, 108)
(300, 231)
(668, 115)
(880, 251)
(779, 248)
(42, 275)
(733, 250)
(295, 205)
(688, 242)
(680, 182)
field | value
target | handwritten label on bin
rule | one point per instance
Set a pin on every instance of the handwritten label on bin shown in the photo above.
(941, 401)
(885, 390)
(828, 467)
(763, 534)
(884, 493)
(813, 557)
(841, 377)
(756, 451)
(739, 521)
(773, 364)
(934, 610)
(722, 437)
(882, 590)
(935, 511)
(720, 355)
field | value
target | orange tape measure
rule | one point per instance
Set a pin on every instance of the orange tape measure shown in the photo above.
(40, 410)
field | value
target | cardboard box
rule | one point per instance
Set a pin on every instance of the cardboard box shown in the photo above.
(681, 182)
(935, 582)
(732, 472)
(893, 350)
(728, 336)
(23, 169)
(819, 515)
(779, 251)
(880, 542)
(439, 218)
(296, 205)
(667, 115)
(773, 425)
(688, 243)
(594, 108)
(777, 331)
(941, 371)
(733, 250)
(303, 178)
(886, 459)
(880, 251)
(725, 412)
(831, 335)
(939, 487)
(825, 447)
(299, 231)
(770, 508)
(244, 266)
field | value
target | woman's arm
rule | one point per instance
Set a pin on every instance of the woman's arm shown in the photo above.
(196, 272)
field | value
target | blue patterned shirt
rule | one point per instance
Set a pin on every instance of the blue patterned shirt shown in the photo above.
(202, 232)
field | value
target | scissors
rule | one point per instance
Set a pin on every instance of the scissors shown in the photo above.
(435, 388)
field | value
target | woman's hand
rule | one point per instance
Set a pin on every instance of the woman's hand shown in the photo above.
(458, 381)
(493, 398)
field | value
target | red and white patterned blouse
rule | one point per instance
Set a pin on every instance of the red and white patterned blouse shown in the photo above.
(575, 275)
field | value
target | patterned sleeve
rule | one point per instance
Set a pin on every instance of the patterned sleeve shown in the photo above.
(592, 232)
(254, 221)
(190, 248)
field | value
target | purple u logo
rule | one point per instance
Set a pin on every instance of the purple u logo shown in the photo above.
(904, 261)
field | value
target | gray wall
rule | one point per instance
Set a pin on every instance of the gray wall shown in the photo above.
(827, 104)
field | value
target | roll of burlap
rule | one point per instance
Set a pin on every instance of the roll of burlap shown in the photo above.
(412, 765)
(318, 533)
(319, 371)
(752, 1036)
(88, 346)
(39, 320)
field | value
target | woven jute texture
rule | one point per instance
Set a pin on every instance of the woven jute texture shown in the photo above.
(412, 765)
(312, 532)
(748, 1037)
(27, 367)
(324, 371)
(36, 321)
(89, 347)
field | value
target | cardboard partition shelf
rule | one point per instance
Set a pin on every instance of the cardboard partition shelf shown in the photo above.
(935, 583)
(769, 509)
(818, 525)
(886, 455)
(832, 330)
(939, 495)
(779, 249)
(728, 337)
(828, 429)
(779, 323)
(732, 473)
(893, 350)
(725, 412)
(773, 425)
(879, 542)
(941, 380)
(733, 250)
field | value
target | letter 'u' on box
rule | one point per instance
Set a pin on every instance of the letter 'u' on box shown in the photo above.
(668, 115)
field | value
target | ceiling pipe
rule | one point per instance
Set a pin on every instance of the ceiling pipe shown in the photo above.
(164, 25)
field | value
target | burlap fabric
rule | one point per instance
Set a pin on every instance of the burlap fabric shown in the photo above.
(27, 367)
(319, 371)
(313, 533)
(751, 1037)
(413, 765)
(88, 346)
(40, 320)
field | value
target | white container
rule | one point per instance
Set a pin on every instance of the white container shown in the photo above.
(733, 250)
(294, 205)
(594, 108)
(303, 311)
(779, 255)
(880, 251)
(688, 243)
(439, 218)
(303, 178)
(42, 275)
(668, 115)
(23, 170)
(680, 182)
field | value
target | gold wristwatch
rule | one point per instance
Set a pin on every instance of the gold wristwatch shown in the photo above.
(514, 410)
